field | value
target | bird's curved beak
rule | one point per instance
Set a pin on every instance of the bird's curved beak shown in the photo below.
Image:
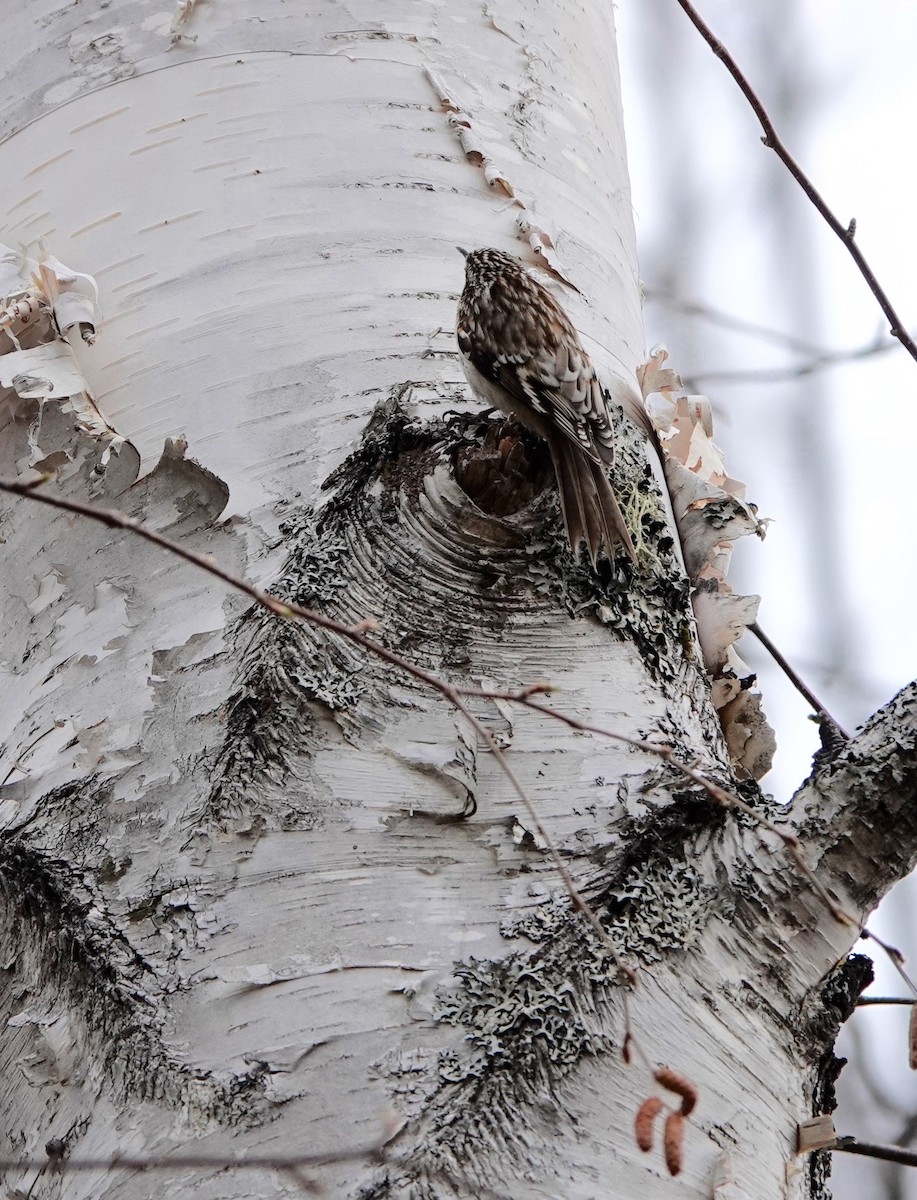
(462, 251)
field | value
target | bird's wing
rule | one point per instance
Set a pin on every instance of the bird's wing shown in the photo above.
(560, 388)
(560, 382)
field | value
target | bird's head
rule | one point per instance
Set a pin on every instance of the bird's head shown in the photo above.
(484, 265)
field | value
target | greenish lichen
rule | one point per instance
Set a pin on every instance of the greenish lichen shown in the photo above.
(649, 603)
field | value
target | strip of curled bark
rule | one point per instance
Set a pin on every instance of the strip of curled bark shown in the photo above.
(771, 139)
(539, 239)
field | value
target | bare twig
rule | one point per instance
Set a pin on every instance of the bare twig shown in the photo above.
(801, 370)
(725, 320)
(819, 355)
(798, 683)
(203, 1162)
(25, 751)
(896, 1154)
(771, 139)
(817, 358)
(894, 955)
(866, 1001)
(293, 1165)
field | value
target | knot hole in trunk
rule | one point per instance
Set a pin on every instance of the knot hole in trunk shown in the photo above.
(507, 471)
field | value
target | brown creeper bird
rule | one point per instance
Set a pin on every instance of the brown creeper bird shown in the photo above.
(521, 354)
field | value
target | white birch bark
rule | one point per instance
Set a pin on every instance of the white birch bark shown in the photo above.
(234, 920)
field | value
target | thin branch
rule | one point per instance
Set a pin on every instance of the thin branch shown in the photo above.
(771, 139)
(866, 1001)
(58, 1163)
(817, 357)
(294, 1165)
(725, 320)
(802, 370)
(895, 1154)
(798, 683)
(895, 957)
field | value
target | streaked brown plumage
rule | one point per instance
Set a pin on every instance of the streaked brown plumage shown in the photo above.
(521, 355)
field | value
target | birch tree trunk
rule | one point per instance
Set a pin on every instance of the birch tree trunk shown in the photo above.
(240, 915)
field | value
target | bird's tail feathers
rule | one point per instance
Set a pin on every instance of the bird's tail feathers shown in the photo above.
(591, 510)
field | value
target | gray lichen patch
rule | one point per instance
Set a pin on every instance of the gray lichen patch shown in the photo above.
(524, 1017)
(529, 1019)
(179, 494)
(655, 911)
(648, 604)
(261, 776)
(259, 773)
(69, 958)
